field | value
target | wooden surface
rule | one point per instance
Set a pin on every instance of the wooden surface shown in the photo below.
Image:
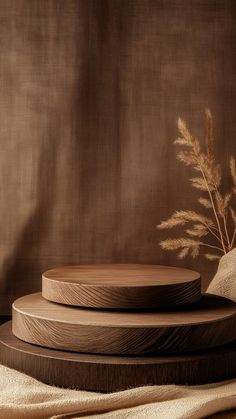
(110, 373)
(121, 286)
(209, 323)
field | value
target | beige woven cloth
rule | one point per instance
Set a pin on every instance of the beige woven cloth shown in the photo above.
(224, 281)
(23, 397)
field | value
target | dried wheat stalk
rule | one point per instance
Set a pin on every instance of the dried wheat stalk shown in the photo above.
(207, 180)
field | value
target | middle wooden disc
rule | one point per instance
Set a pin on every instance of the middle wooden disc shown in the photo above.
(210, 323)
(121, 286)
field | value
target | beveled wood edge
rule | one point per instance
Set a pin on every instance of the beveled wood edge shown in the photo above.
(126, 286)
(126, 297)
(127, 326)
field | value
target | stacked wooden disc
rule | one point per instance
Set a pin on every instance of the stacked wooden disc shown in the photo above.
(110, 327)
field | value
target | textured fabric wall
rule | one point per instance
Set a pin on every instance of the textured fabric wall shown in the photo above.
(89, 96)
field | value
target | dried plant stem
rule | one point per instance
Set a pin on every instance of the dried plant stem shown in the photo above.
(216, 229)
(196, 153)
(213, 207)
(213, 247)
(212, 232)
(225, 224)
(226, 232)
(232, 241)
(208, 181)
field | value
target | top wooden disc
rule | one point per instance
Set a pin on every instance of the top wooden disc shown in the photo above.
(121, 286)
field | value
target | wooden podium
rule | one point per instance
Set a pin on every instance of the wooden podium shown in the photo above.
(111, 327)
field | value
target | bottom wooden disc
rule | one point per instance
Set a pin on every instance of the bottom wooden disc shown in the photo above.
(111, 373)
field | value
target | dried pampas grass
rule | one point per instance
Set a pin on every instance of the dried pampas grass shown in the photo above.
(208, 181)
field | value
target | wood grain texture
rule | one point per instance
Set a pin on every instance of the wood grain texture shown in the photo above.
(110, 373)
(210, 323)
(121, 286)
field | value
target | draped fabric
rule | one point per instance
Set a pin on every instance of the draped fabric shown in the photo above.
(22, 396)
(90, 91)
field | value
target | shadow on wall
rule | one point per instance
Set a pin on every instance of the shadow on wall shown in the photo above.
(23, 262)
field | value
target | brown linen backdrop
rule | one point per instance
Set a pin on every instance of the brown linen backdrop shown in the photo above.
(89, 97)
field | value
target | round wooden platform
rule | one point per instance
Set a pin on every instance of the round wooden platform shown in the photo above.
(110, 373)
(121, 286)
(209, 323)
